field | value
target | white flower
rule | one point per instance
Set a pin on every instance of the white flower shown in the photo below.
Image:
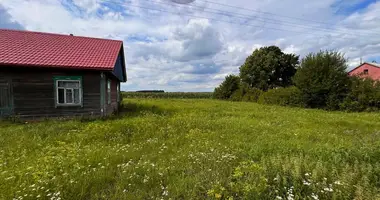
(314, 196)
(306, 183)
(328, 189)
(125, 190)
(278, 197)
(307, 174)
(337, 183)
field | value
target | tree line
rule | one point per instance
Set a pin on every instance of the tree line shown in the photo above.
(319, 80)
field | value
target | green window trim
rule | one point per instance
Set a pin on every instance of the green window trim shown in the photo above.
(56, 79)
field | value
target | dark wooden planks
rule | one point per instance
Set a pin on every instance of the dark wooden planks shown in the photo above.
(33, 92)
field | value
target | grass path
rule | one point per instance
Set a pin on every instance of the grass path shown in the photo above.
(195, 149)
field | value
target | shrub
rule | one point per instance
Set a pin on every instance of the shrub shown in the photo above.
(322, 79)
(227, 88)
(252, 95)
(237, 95)
(290, 96)
(364, 95)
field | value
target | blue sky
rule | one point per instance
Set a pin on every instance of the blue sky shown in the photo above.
(193, 47)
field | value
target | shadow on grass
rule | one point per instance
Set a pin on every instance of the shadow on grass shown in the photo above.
(127, 109)
(135, 109)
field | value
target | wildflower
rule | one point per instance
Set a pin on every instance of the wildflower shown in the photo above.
(314, 196)
(306, 183)
(38, 196)
(125, 190)
(165, 193)
(307, 174)
(337, 183)
(328, 189)
(278, 197)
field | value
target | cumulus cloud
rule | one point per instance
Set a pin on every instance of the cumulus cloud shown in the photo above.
(7, 21)
(193, 47)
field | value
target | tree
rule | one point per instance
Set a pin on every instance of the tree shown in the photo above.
(269, 67)
(225, 90)
(322, 79)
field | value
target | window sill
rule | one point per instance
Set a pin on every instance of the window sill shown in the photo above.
(69, 105)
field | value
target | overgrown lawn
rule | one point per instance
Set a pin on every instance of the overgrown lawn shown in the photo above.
(195, 149)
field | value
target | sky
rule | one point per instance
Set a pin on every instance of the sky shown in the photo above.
(193, 46)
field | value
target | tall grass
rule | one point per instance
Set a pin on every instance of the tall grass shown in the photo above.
(195, 149)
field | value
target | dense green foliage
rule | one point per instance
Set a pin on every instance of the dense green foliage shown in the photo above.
(269, 67)
(230, 84)
(166, 95)
(290, 96)
(246, 93)
(322, 79)
(195, 149)
(364, 95)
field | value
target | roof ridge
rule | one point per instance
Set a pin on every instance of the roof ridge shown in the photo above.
(57, 34)
(374, 64)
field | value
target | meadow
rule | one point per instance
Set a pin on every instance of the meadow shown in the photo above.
(168, 95)
(194, 149)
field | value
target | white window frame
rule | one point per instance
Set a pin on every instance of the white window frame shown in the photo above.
(72, 92)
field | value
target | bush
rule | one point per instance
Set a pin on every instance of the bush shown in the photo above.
(237, 95)
(227, 88)
(290, 96)
(364, 95)
(323, 80)
(252, 95)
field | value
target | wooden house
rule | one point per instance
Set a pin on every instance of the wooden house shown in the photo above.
(367, 70)
(53, 75)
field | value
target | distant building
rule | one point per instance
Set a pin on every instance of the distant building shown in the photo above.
(52, 75)
(370, 70)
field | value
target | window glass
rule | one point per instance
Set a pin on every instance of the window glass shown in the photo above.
(69, 96)
(61, 96)
(76, 96)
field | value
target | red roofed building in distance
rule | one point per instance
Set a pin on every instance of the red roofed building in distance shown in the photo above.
(54, 75)
(367, 70)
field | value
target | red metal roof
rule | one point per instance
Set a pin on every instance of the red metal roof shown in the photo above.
(26, 48)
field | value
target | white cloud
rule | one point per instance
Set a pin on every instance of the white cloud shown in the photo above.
(175, 48)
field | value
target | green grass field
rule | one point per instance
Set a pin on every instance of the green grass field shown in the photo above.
(195, 149)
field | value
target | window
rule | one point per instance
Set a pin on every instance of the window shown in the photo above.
(365, 71)
(109, 91)
(118, 92)
(68, 91)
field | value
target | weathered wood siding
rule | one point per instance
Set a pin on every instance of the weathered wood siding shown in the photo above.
(114, 106)
(33, 92)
